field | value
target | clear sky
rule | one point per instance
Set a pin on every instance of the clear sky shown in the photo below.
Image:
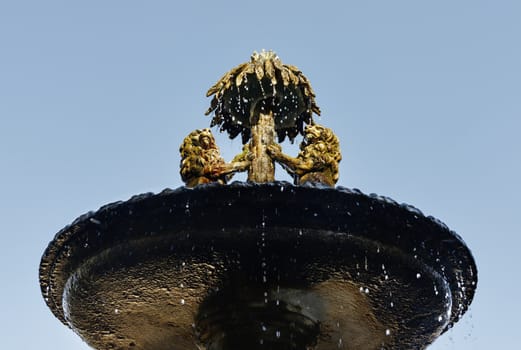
(96, 96)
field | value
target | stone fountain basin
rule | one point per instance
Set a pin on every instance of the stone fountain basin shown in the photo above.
(302, 266)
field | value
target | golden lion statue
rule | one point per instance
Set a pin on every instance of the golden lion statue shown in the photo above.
(317, 160)
(201, 160)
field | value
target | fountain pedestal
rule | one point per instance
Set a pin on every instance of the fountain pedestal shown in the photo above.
(258, 266)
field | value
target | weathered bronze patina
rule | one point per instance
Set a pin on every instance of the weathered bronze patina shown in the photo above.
(261, 99)
(263, 85)
(317, 161)
(201, 161)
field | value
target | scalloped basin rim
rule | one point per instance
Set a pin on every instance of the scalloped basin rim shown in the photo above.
(342, 228)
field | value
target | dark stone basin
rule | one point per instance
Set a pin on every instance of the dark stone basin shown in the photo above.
(258, 266)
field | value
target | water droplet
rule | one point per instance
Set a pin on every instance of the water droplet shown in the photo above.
(387, 332)
(277, 334)
(418, 275)
(182, 301)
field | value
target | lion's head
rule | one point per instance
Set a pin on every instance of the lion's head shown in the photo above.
(197, 142)
(321, 145)
(318, 135)
(200, 157)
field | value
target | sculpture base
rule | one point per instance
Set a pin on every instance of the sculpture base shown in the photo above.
(257, 266)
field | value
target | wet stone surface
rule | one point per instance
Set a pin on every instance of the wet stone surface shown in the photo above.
(258, 266)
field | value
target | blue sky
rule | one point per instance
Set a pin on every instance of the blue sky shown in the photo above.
(96, 96)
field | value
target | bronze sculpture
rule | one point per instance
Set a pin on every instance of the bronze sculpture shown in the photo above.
(317, 161)
(260, 99)
(201, 161)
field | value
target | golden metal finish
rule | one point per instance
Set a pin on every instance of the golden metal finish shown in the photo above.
(262, 168)
(201, 161)
(262, 99)
(262, 85)
(317, 160)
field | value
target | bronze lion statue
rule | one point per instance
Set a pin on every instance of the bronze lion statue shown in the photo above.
(201, 160)
(317, 160)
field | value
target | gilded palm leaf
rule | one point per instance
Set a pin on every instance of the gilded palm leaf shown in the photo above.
(262, 85)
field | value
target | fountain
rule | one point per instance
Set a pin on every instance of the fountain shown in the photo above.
(262, 264)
